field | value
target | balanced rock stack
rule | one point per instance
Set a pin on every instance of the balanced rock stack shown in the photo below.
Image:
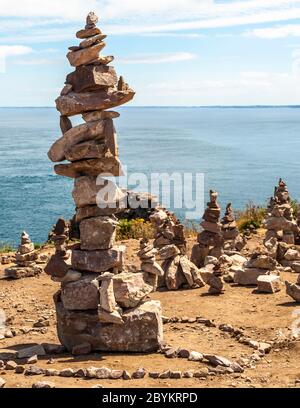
(232, 239)
(26, 258)
(98, 306)
(170, 241)
(210, 240)
(147, 255)
(280, 223)
(215, 280)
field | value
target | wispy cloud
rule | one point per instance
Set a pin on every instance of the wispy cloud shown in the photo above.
(14, 50)
(158, 58)
(125, 17)
(271, 33)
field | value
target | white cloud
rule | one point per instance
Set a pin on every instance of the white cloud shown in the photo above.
(14, 50)
(39, 61)
(138, 17)
(158, 58)
(271, 33)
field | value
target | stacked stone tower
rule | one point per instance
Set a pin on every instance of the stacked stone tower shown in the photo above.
(98, 306)
(210, 240)
(280, 222)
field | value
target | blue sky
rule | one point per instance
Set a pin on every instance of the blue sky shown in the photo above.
(172, 52)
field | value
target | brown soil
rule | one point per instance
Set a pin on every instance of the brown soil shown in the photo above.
(262, 317)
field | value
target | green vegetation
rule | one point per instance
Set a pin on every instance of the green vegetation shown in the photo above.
(134, 229)
(37, 245)
(251, 217)
(6, 247)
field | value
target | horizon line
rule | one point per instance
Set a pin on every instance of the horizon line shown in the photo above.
(167, 106)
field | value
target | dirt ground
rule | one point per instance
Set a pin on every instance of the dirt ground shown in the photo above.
(262, 316)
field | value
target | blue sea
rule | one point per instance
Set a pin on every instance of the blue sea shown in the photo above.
(241, 151)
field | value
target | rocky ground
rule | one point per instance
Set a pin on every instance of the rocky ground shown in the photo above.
(194, 326)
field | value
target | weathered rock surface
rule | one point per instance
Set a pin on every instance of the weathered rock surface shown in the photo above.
(76, 103)
(98, 233)
(248, 276)
(17, 272)
(293, 291)
(90, 190)
(92, 78)
(108, 166)
(87, 33)
(82, 294)
(77, 134)
(268, 283)
(141, 332)
(85, 56)
(27, 352)
(99, 261)
(130, 288)
(99, 115)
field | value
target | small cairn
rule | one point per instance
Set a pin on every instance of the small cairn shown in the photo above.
(170, 241)
(233, 241)
(210, 240)
(26, 258)
(99, 307)
(280, 223)
(147, 255)
(259, 264)
(215, 280)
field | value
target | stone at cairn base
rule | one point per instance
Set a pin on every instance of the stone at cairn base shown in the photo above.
(17, 272)
(268, 284)
(142, 330)
(248, 276)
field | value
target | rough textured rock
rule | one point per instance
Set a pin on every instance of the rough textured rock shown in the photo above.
(87, 33)
(154, 268)
(173, 276)
(141, 332)
(99, 115)
(2, 382)
(76, 103)
(107, 166)
(16, 272)
(99, 261)
(248, 276)
(88, 191)
(268, 283)
(31, 351)
(95, 39)
(92, 78)
(130, 288)
(262, 262)
(43, 384)
(293, 291)
(85, 56)
(97, 233)
(82, 294)
(77, 134)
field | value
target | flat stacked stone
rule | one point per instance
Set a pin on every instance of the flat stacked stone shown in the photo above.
(26, 258)
(210, 240)
(178, 270)
(233, 241)
(98, 303)
(280, 222)
(259, 264)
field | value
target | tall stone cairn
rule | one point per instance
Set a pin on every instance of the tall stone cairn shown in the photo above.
(280, 222)
(210, 240)
(99, 307)
(233, 241)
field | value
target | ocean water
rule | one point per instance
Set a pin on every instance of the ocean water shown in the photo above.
(241, 151)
